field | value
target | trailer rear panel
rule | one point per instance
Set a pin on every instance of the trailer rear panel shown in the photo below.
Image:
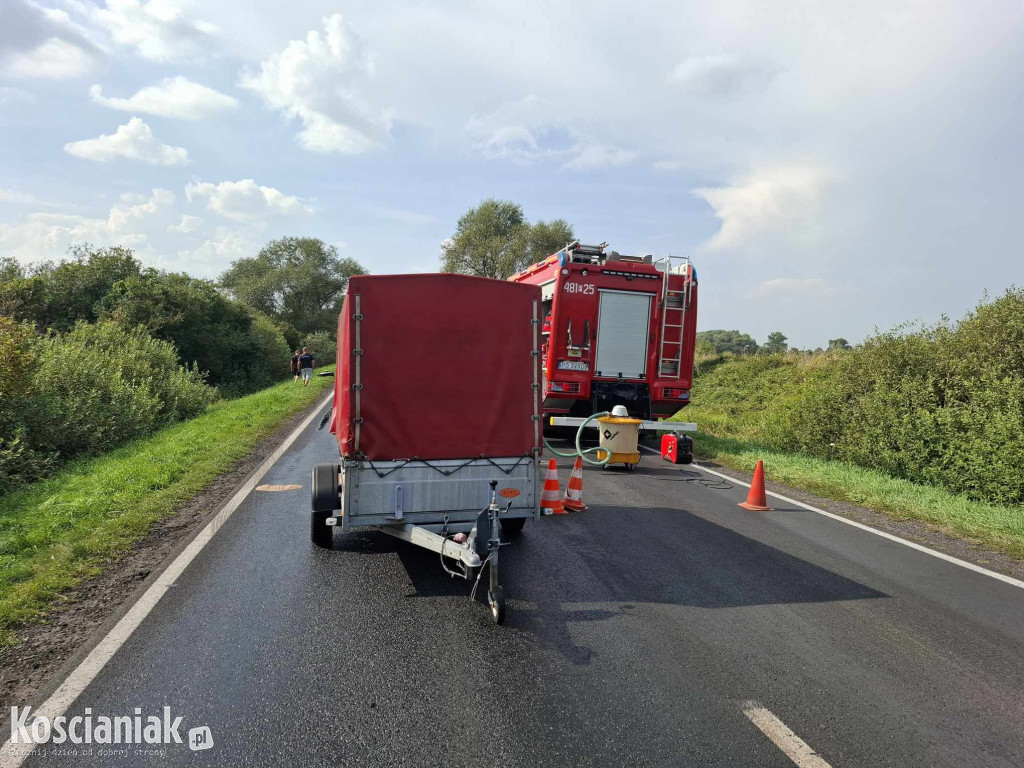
(437, 366)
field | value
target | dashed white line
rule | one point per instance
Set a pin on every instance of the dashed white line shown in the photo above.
(795, 748)
(913, 545)
(86, 672)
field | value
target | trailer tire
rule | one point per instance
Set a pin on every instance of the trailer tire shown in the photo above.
(512, 527)
(323, 488)
(320, 533)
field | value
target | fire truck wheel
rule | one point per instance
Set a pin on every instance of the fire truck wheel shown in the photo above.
(320, 532)
(512, 527)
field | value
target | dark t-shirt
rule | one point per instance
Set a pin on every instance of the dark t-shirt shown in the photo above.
(305, 361)
(295, 362)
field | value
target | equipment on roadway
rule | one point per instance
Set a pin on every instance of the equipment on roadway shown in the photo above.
(617, 330)
(437, 416)
(619, 435)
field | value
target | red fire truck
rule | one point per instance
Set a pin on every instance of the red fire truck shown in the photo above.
(618, 330)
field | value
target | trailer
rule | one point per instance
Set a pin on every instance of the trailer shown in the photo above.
(436, 412)
(617, 330)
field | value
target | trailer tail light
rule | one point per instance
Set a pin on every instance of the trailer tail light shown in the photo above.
(676, 394)
(568, 387)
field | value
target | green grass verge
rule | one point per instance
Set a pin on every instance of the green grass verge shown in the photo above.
(997, 527)
(59, 531)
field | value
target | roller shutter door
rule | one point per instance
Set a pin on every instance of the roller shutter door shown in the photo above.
(623, 323)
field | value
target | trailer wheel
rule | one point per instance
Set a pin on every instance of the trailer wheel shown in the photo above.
(496, 599)
(320, 533)
(323, 488)
(512, 527)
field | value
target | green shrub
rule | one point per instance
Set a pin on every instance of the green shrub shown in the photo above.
(102, 385)
(322, 346)
(941, 405)
(239, 349)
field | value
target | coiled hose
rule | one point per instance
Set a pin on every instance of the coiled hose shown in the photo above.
(579, 449)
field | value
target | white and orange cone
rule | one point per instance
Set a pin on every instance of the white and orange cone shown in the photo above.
(550, 503)
(573, 499)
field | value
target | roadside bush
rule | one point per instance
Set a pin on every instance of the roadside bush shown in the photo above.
(322, 346)
(239, 349)
(941, 405)
(100, 385)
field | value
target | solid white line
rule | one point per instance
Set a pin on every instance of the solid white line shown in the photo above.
(913, 545)
(85, 672)
(795, 748)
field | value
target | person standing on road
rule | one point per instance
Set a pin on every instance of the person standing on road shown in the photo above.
(295, 367)
(306, 366)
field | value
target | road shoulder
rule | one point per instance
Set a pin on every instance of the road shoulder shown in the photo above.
(911, 530)
(44, 651)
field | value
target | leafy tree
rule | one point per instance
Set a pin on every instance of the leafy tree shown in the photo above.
(238, 348)
(495, 240)
(547, 237)
(322, 345)
(838, 344)
(298, 281)
(59, 295)
(776, 343)
(729, 341)
(10, 269)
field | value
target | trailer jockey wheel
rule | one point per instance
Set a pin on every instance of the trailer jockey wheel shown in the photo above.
(496, 599)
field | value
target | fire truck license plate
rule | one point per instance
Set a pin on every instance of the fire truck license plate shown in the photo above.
(572, 365)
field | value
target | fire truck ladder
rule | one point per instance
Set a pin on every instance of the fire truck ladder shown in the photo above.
(674, 306)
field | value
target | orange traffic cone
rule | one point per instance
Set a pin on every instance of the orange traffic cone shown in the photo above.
(550, 504)
(573, 499)
(756, 500)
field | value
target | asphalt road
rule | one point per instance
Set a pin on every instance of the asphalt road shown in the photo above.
(636, 632)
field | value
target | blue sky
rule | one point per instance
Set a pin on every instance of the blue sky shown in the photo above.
(830, 167)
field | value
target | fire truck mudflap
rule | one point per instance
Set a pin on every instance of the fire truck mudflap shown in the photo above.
(437, 418)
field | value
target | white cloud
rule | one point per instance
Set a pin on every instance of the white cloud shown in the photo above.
(38, 42)
(320, 81)
(15, 196)
(588, 157)
(171, 97)
(47, 235)
(781, 202)
(794, 286)
(133, 140)
(158, 30)
(211, 257)
(53, 58)
(245, 200)
(530, 131)
(721, 76)
(187, 224)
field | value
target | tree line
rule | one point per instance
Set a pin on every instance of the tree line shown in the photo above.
(718, 342)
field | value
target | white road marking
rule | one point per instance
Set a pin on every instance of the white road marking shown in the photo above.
(85, 672)
(795, 748)
(913, 545)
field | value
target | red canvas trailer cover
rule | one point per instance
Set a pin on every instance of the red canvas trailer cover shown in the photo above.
(437, 366)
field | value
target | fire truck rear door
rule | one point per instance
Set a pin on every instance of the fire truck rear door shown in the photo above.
(622, 327)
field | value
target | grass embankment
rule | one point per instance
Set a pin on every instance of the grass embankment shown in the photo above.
(59, 531)
(990, 525)
(844, 426)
